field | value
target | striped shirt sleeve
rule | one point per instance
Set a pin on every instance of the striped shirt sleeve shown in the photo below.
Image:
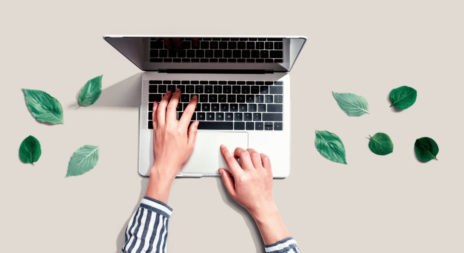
(287, 245)
(148, 227)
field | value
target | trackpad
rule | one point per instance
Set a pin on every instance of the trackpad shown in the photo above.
(206, 157)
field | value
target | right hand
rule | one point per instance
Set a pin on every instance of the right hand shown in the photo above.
(249, 181)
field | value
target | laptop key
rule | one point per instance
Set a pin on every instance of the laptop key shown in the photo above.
(254, 89)
(269, 98)
(217, 89)
(224, 107)
(261, 108)
(274, 108)
(247, 116)
(215, 125)
(212, 98)
(152, 88)
(229, 116)
(205, 107)
(259, 125)
(234, 107)
(210, 116)
(215, 107)
(227, 89)
(154, 97)
(276, 89)
(252, 107)
(272, 116)
(222, 98)
(250, 98)
(184, 98)
(150, 124)
(203, 98)
(219, 116)
(263, 90)
(201, 116)
(278, 99)
(239, 126)
(268, 126)
(198, 88)
(245, 89)
(277, 125)
(162, 89)
(240, 98)
(256, 116)
(236, 89)
(250, 126)
(189, 89)
(238, 116)
(259, 99)
(208, 89)
(231, 98)
(242, 107)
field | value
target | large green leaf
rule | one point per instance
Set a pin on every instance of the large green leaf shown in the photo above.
(83, 160)
(30, 151)
(351, 104)
(381, 144)
(426, 149)
(43, 107)
(403, 97)
(91, 91)
(330, 146)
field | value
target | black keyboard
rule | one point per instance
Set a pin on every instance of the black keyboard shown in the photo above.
(217, 50)
(226, 105)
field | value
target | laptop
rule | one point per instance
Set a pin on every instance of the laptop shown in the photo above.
(243, 89)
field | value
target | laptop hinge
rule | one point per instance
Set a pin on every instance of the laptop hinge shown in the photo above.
(218, 71)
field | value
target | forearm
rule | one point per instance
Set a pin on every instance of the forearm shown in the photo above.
(159, 184)
(147, 228)
(274, 233)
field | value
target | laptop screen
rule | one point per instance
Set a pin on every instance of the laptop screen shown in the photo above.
(210, 53)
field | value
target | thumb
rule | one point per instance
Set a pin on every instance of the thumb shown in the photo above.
(192, 133)
(228, 182)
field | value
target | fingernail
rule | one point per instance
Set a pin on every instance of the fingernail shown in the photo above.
(222, 146)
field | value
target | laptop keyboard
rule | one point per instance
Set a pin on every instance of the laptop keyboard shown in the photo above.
(226, 105)
(230, 50)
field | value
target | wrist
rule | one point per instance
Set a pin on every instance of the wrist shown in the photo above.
(264, 212)
(159, 184)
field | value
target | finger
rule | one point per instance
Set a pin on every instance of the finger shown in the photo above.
(161, 111)
(266, 162)
(245, 159)
(255, 158)
(228, 182)
(153, 114)
(192, 134)
(233, 165)
(188, 112)
(171, 113)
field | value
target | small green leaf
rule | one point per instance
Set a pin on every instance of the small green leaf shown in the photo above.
(83, 160)
(43, 107)
(351, 104)
(403, 97)
(91, 91)
(381, 144)
(426, 149)
(330, 146)
(30, 151)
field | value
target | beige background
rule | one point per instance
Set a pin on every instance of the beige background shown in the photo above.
(374, 204)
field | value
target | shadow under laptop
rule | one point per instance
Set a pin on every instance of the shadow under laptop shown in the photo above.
(123, 94)
(254, 231)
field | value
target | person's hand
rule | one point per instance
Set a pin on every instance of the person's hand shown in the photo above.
(249, 181)
(173, 142)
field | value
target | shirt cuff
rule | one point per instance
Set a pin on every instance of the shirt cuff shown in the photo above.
(156, 206)
(280, 245)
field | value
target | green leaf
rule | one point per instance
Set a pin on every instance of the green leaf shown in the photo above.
(91, 91)
(403, 97)
(330, 146)
(351, 104)
(30, 151)
(43, 107)
(83, 160)
(426, 149)
(381, 144)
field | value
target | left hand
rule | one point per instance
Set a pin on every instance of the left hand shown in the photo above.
(172, 143)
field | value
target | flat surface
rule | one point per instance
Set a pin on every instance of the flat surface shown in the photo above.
(374, 204)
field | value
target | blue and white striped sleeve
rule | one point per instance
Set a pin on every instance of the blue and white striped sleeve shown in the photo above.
(287, 245)
(148, 228)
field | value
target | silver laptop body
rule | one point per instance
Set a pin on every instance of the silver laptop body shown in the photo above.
(243, 85)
